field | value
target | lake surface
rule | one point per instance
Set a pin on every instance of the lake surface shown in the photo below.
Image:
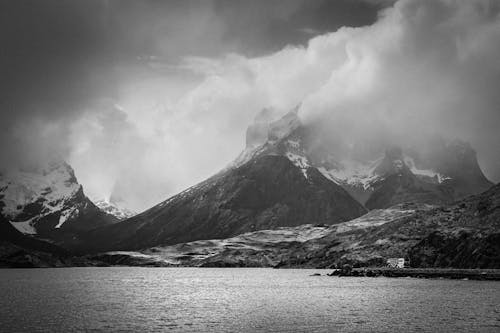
(239, 300)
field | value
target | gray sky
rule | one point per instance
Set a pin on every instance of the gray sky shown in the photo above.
(145, 98)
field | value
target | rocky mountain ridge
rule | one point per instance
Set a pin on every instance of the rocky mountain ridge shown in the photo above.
(437, 171)
(289, 175)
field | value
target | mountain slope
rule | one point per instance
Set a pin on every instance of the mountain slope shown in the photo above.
(263, 248)
(19, 250)
(465, 234)
(265, 193)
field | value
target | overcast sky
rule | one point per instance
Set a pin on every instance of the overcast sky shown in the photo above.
(144, 98)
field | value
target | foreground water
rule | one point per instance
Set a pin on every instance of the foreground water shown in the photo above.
(239, 300)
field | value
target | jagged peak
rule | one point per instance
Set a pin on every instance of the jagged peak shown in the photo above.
(282, 127)
(461, 150)
(257, 132)
(266, 131)
(392, 163)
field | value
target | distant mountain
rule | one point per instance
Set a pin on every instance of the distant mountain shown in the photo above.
(113, 208)
(396, 183)
(48, 202)
(452, 163)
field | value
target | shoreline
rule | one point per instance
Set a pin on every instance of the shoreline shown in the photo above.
(423, 273)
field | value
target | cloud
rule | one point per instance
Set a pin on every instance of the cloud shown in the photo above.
(310, 31)
(423, 67)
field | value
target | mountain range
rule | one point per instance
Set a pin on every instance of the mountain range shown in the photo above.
(291, 174)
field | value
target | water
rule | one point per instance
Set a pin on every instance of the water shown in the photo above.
(239, 300)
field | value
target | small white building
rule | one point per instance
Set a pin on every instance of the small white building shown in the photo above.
(396, 262)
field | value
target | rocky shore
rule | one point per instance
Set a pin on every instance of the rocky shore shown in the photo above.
(424, 273)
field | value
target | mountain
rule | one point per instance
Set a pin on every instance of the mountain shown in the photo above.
(47, 201)
(398, 184)
(112, 208)
(265, 193)
(443, 174)
(453, 163)
(375, 174)
(465, 234)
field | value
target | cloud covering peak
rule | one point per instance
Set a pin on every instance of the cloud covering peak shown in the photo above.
(425, 68)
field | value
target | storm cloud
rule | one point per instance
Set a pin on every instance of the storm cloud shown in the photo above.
(146, 98)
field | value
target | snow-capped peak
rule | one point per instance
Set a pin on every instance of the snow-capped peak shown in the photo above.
(49, 186)
(44, 197)
(114, 209)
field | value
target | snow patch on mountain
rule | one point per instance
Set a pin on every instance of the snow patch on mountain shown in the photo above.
(299, 161)
(66, 215)
(352, 173)
(438, 177)
(25, 227)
